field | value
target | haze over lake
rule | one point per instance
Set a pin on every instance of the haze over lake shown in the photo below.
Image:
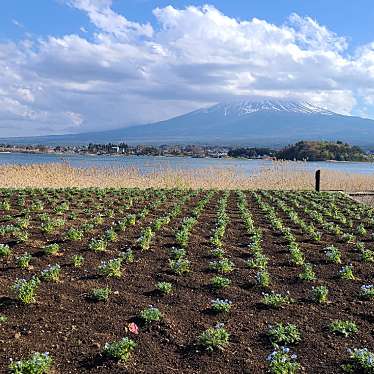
(150, 163)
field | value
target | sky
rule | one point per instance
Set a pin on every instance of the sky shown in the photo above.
(69, 66)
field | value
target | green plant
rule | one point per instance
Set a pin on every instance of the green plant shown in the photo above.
(333, 255)
(146, 238)
(281, 362)
(367, 291)
(150, 314)
(165, 288)
(320, 294)
(360, 230)
(215, 337)
(38, 363)
(179, 267)
(348, 238)
(26, 289)
(263, 278)
(222, 266)
(74, 234)
(127, 256)
(51, 249)
(100, 294)
(3, 319)
(5, 205)
(345, 328)
(24, 261)
(5, 251)
(120, 350)
(219, 282)
(307, 273)
(218, 252)
(111, 235)
(51, 273)
(362, 361)
(221, 306)
(297, 256)
(111, 268)
(346, 272)
(276, 300)
(177, 253)
(258, 261)
(281, 334)
(98, 245)
(77, 261)
(367, 255)
(21, 236)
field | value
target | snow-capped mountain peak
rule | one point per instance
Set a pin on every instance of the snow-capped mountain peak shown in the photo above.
(245, 107)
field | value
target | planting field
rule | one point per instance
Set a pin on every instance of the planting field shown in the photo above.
(185, 281)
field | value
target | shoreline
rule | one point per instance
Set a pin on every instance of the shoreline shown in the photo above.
(68, 154)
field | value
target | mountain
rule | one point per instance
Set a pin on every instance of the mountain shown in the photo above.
(253, 122)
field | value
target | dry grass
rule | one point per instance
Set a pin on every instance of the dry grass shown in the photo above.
(280, 175)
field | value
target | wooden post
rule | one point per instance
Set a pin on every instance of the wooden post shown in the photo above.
(318, 180)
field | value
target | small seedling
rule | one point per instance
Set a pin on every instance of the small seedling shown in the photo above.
(51, 249)
(362, 361)
(165, 288)
(263, 278)
(5, 251)
(320, 294)
(74, 234)
(333, 255)
(127, 257)
(26, 289)
(281, 334)
(221, 306)
(308, 274)
(120, 350)
(38, 363)
(346, 272)
(51, 273)
(219, 282)
(98, 245)
(222, 266)
(218, 253)
(24, 261)
(281, 362)
(179, 267)
(214, 338)
(276, 300)
(77, 261)
(100, 294)
(367, 291)
(150, 314)
(345, 328)
(111, 268)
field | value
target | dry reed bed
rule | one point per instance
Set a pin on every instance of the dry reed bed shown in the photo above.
(280, 175)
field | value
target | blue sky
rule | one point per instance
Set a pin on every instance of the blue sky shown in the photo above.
(83, 65)
(351, 19)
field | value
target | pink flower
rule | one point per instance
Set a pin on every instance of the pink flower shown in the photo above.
(133, 327)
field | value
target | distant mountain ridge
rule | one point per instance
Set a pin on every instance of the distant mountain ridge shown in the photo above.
(252, 122)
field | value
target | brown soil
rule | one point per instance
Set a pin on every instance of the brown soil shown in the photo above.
(74, 329)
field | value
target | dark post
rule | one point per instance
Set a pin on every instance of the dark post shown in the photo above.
(318, 180)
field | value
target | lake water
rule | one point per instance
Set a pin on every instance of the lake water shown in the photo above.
(148, 163)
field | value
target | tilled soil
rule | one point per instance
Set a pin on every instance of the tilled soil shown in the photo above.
(74, 329)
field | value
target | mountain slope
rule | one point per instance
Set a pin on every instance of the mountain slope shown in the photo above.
(270, 122)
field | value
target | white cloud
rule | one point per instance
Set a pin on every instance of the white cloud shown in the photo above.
(127, 72)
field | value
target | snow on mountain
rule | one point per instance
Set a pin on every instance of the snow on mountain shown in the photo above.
(251, 122)
(241, 108)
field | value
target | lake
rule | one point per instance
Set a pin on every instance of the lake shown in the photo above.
(149, 163)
